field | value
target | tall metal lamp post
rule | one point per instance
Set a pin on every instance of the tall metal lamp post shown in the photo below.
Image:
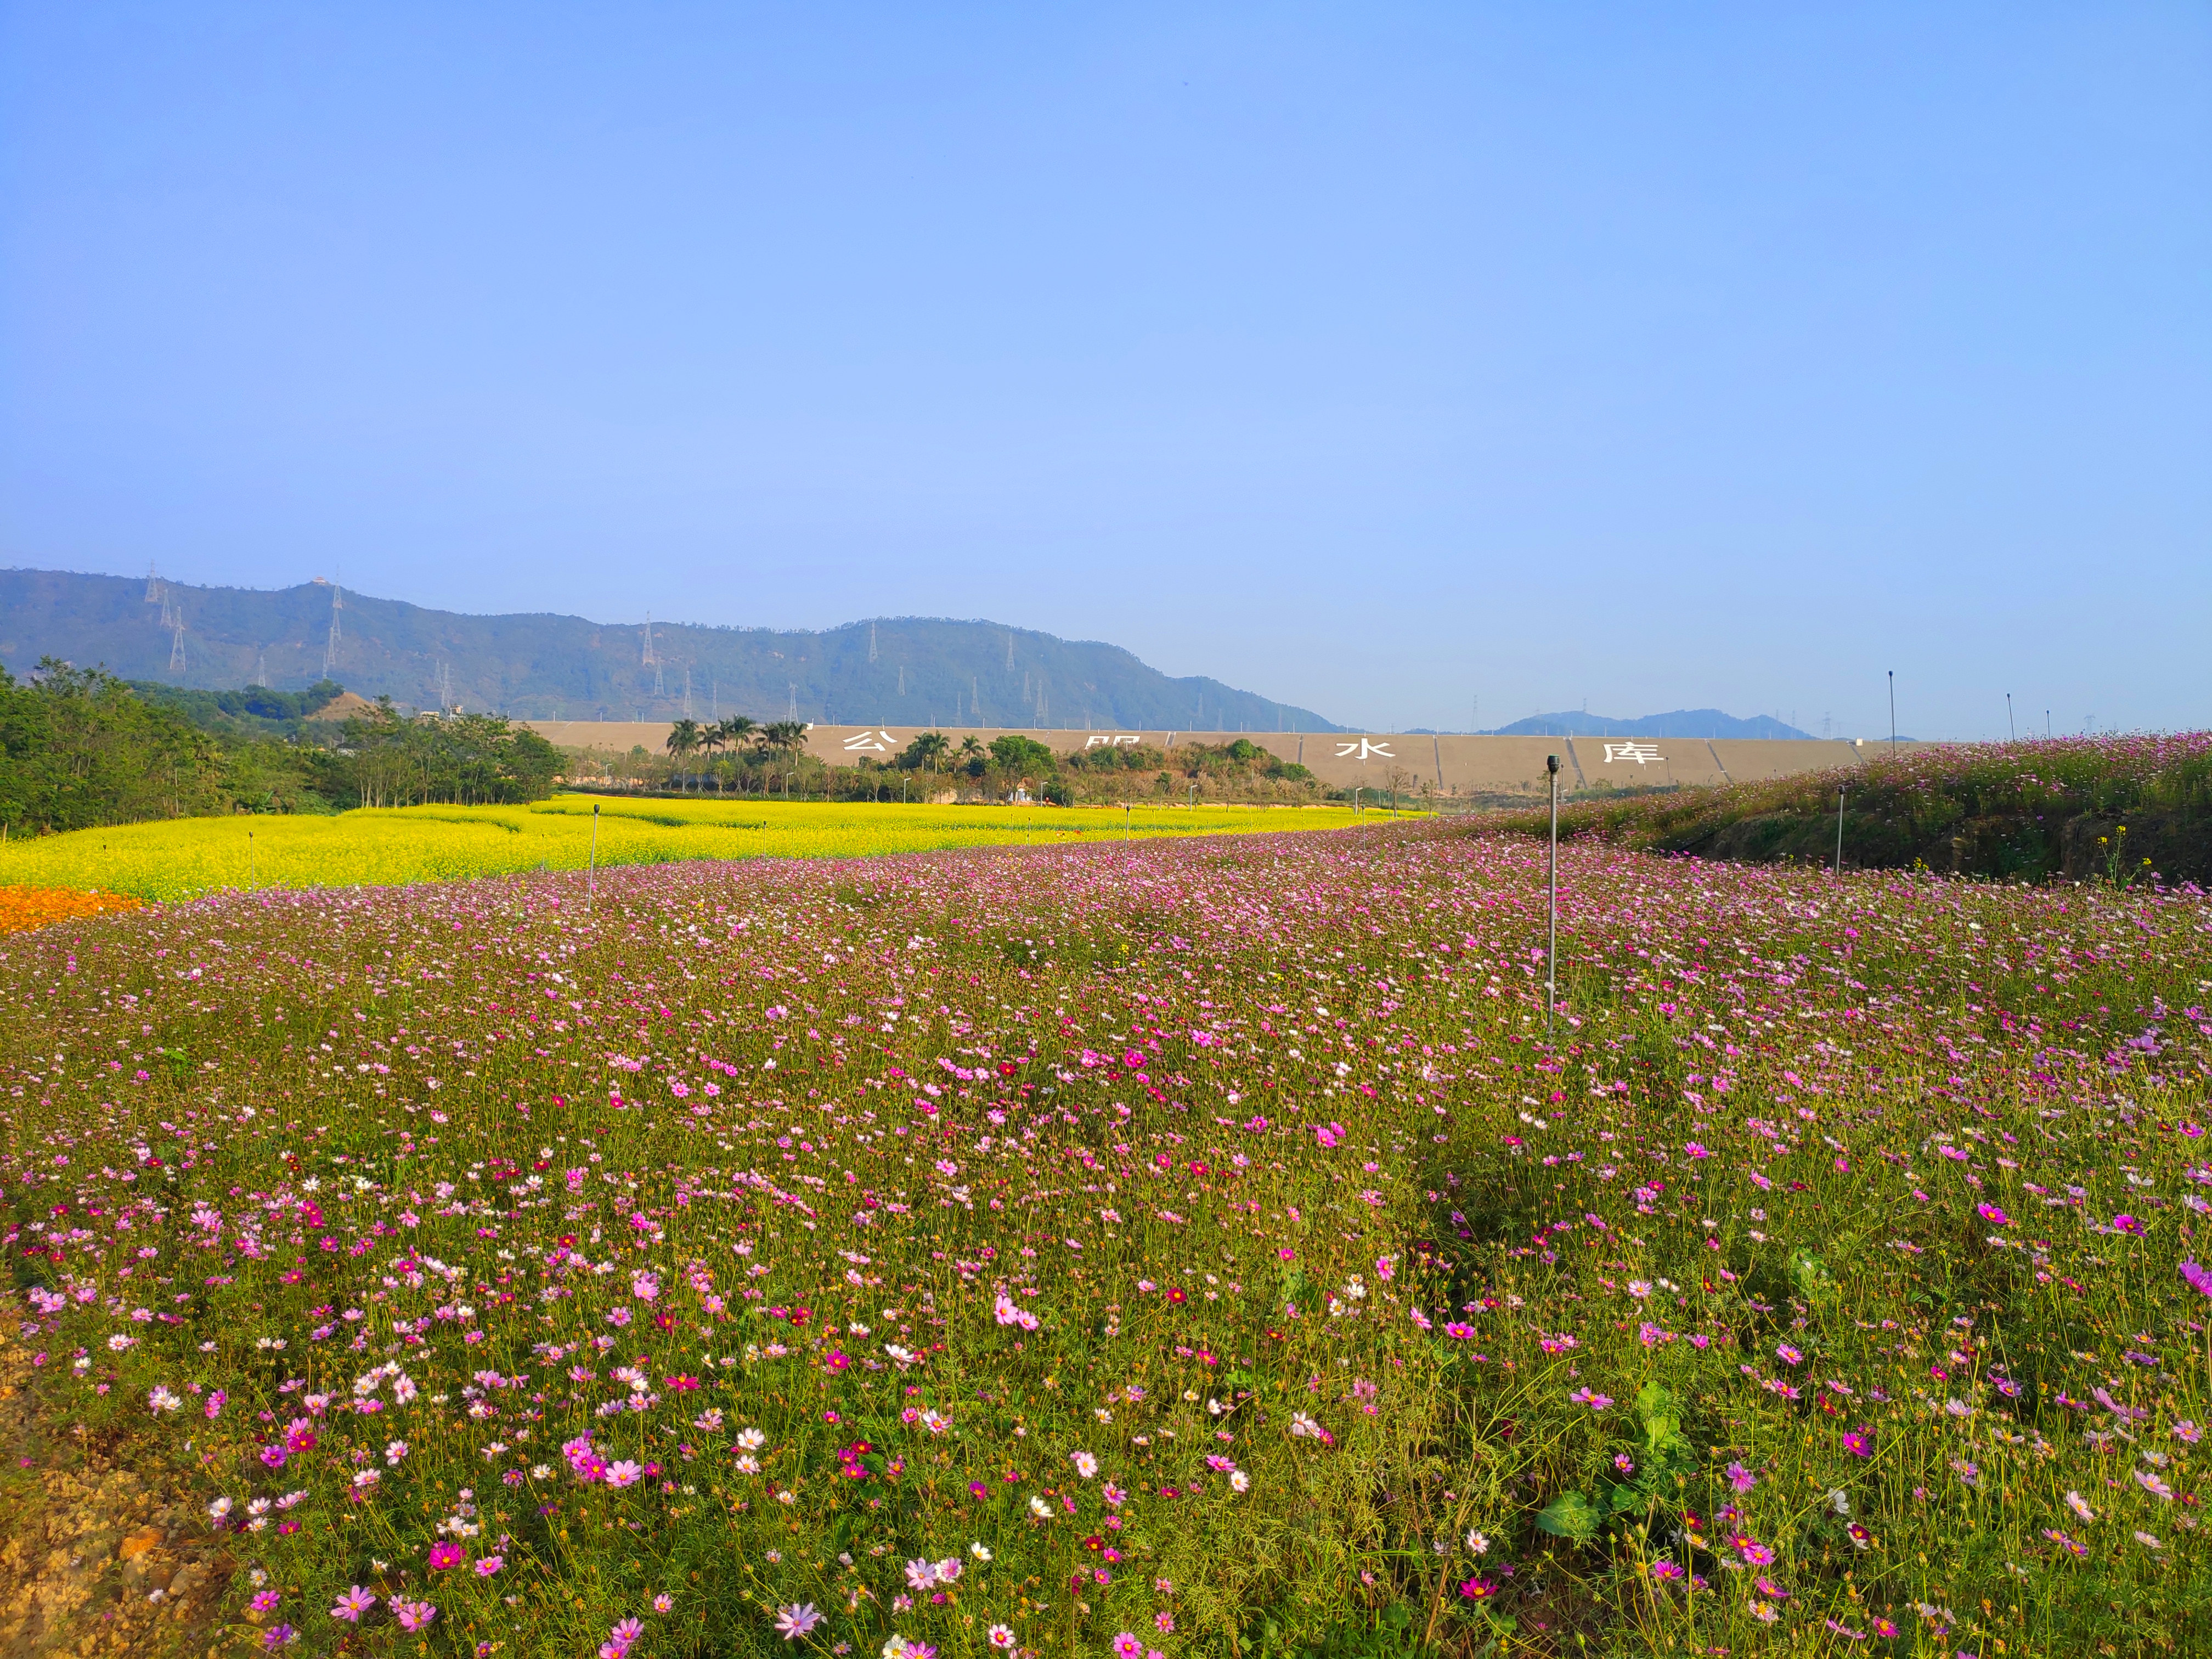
(1551, 943)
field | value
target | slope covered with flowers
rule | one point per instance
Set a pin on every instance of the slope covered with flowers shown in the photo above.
(2118, 809)
(1190, 1248)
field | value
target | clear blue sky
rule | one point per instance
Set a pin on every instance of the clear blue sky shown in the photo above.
(1375, 357)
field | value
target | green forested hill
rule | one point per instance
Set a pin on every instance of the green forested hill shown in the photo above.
(901, 671)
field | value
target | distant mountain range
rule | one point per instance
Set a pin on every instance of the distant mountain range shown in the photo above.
(1682, 723)
(903, 671)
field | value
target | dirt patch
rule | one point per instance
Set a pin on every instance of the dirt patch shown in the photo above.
(98, 1558)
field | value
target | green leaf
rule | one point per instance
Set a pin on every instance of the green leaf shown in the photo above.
(1569, 1515)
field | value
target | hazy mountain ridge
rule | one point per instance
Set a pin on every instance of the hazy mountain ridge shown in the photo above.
(1681, 723)
(903, 671)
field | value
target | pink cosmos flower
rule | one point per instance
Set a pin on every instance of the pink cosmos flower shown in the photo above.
(352, 1604)
(794, 1621)
(444, 1557)
(413, 1615)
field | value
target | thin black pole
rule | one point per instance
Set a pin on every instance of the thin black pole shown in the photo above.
(1552, 942)
(1839, 831)
(591, 868)
(1892, 711)
(2010, 726)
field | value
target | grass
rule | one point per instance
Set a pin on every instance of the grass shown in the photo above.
(1197, 1250)
(180, 858)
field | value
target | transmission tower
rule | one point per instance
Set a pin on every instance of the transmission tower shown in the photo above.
(652, 658)
(871, 641)
(331, 645)
(177, 645)
(261, 668)
(794, 698)
(1010, 651)
(687, 690)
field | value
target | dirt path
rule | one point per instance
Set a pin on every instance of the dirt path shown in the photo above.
(96, 1558)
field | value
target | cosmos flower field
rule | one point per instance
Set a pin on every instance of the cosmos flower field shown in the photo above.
(1186, 1248)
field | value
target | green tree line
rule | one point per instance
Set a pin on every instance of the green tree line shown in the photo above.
(80, 748)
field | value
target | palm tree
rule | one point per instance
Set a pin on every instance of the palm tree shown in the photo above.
(930, 747)
(787, 738)
(710, 739)
(738, 732)
(684, 740)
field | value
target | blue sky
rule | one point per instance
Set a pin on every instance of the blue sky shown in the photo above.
(1376, 358)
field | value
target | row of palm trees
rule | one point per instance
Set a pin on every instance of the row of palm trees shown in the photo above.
(738, 733)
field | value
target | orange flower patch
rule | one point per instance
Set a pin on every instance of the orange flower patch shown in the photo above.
(23, 907)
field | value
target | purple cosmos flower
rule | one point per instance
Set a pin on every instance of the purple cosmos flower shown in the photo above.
(2197, 1277)
(1741, 1478)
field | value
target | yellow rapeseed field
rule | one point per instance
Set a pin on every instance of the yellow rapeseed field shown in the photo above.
(180, 857)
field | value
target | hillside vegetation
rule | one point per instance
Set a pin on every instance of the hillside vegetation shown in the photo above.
(901, 671)
(2114, 809)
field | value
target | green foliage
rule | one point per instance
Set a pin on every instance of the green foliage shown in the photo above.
(254, 711)
(1572, 1516)
(1021, 757)
(465, 760)
(77, 749)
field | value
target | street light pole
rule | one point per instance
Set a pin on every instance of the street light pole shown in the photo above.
(1551, 943)
(1892, 711)
(591, 868)
(1839, 830)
